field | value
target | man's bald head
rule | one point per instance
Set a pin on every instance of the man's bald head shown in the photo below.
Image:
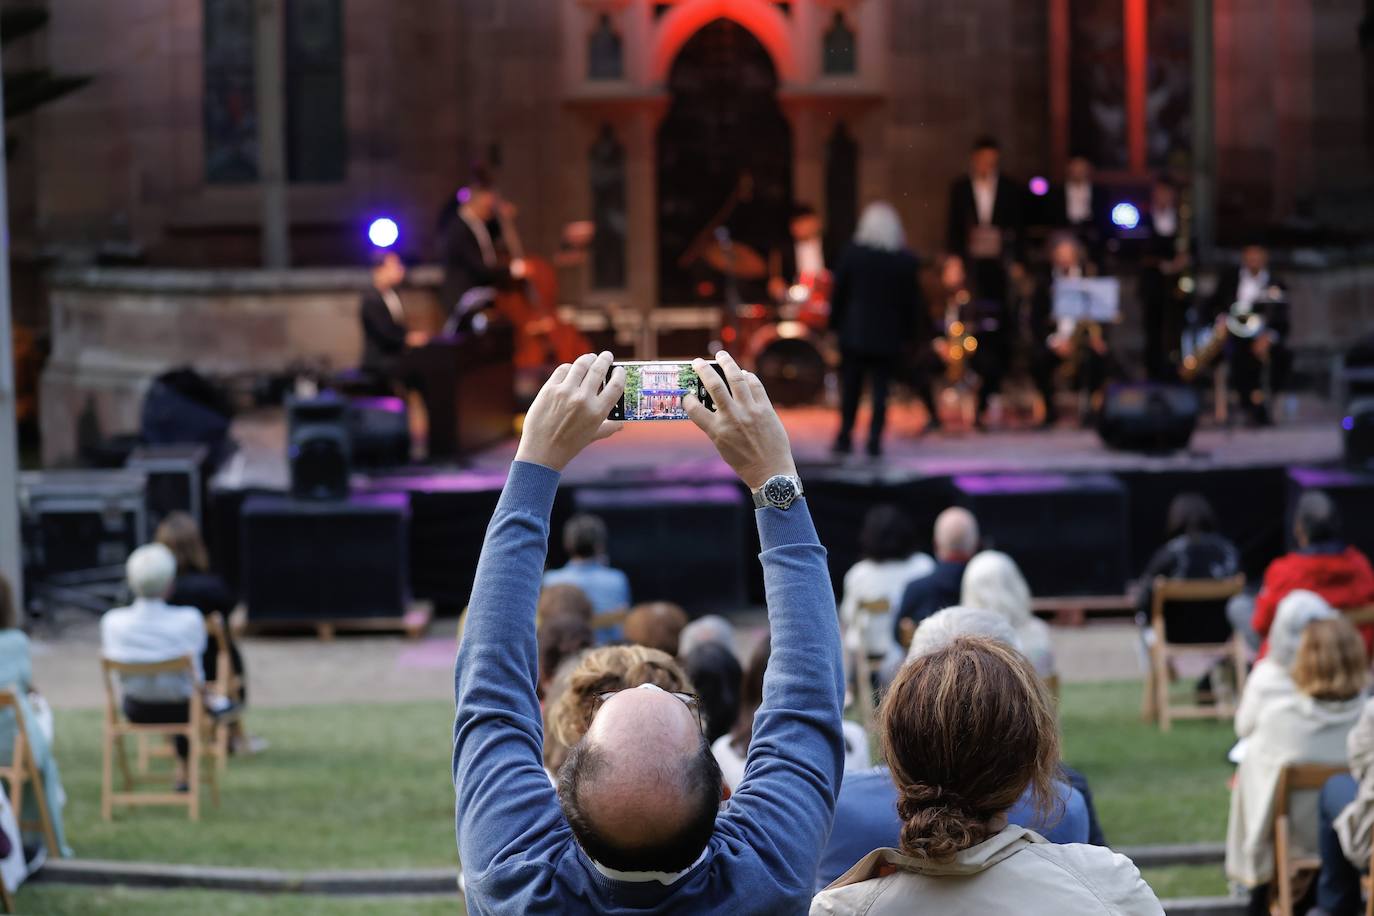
(956, 534)
(642, 788)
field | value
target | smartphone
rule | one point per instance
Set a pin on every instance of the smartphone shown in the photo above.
(654, 390)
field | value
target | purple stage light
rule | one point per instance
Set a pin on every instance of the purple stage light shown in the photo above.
(1039, 186)
(1348, 424)
(383, 232)
(1126, 216)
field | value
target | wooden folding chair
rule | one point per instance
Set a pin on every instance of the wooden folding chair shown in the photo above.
(1162, 652)
(609, 620)
(1296, 777)
(218, 729)
(117, 727)
(22, 768)
(864, 693)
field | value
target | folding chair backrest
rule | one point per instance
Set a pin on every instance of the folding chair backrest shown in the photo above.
(111, 670)
(880, 606)
(1302, 777)
(1360, 616)
(12, 768)
(224, 675)
(609, 620)
(1166, 591)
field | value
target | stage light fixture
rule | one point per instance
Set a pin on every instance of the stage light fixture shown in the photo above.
(1348, 424)
(1126, 216)
(1040, 186)
(383, 232)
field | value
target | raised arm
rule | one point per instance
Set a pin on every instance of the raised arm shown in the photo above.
(502, 791)
(784, 805)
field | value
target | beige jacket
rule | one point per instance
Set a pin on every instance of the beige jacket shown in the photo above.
(1016, 871)
(1296, 729)
(1356, 822)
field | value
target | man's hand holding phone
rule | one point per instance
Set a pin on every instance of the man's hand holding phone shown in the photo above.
(570, 412)
(744, 427)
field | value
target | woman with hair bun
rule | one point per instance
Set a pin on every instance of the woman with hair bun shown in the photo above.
(967, 730)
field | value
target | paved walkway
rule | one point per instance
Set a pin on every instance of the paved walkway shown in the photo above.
(301, 671)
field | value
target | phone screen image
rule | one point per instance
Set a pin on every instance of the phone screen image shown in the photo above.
(657, 390)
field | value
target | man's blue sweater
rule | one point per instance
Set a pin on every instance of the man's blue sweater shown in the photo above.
(517, 850)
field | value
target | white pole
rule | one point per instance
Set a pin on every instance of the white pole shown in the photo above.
(10, 554)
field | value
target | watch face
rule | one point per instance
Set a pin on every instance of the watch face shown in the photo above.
(780, 492)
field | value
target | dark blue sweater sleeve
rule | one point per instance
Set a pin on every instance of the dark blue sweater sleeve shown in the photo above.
(786, 800)
(505, 804)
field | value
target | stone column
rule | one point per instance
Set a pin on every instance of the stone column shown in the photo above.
(271, 104)
(10, 563)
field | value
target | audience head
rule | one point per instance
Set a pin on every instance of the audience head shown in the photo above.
(640, 787)
(584, 537)
(1331, 662)
(388, 269)
(1296, 610)
(965, 730)
(151, 570)
(985, 159)
(993, 582)
(956, 535)
(880, 227)
(1066, 252)
(180, 534)
(1163, 195)
(1191, 514)
(887, 534)
(953, 274)
(751, 694)
(715, 671)
(944, 627)
(560, 637)
(658, 625)
(712, 628)
(563, 600)
(805, 222)
(1079, 170)
(9, 614)
(1254, 257)
(1316, 519)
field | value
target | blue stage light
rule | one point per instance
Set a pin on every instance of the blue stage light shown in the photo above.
(383, 232)
(1126, 216)
(1348, 424)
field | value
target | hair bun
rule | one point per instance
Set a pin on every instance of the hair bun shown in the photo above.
(938, 824)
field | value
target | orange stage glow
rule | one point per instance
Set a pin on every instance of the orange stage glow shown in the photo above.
(763, 19)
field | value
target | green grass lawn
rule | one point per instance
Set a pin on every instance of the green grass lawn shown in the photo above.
(368, 787)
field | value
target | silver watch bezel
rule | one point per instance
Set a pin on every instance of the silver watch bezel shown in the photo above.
(762, 498)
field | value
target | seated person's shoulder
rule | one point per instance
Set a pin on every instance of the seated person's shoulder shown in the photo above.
(1110, 876)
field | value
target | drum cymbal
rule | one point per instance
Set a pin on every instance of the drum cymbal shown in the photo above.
(741, 260)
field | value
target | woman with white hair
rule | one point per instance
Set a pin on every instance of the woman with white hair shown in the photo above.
(1271, 679)
(993, 582)
(878, 312)
(150, 630)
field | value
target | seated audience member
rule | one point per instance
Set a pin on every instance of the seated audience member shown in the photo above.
(1193, 550)
(1323, 563)
(733, 750)
(563, 600)
(956, 541)
(560, 638)
(1271, 679)
(16, 674)
(584, 538)
(712, 628)
(151, 630)
(715, 672)
(1311, 726)
(604, 670)
(658, 625)
(866, 810)
(637, 821)
(994, 583)
(1345, 812)
(887, 566)
(968, 731)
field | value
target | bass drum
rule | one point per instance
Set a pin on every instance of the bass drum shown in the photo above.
(791, 362)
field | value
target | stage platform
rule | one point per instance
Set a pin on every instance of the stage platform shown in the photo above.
(680, 521)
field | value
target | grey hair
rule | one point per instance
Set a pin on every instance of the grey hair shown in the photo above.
(956, 531)
(1296, 611)
(151, 570)
(943, 628)
(992, 580)
(880, 227)
(712, 628)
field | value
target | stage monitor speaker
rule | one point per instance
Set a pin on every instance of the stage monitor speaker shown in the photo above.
(81, 520)
(1358, 429)
(1069, 533)
(306, 561)
(685, 544)
(1148, 417)
(378, 432)
(318, 448)
(176, 479)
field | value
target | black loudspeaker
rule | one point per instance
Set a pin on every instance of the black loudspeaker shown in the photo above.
(683, 544)
(306, 561)
(378, 432)
(81, 520)
(1068, 533)
(1358, 429)
(318, 448)
(177, 477)
(1148, 417)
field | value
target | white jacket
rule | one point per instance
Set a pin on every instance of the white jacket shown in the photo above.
(1016, 871)
(871, 580)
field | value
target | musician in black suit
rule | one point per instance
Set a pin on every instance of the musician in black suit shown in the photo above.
(383, 318)
(802, 256)
(986, 214)
(471, 255)
(1081, 206)
(1055, 343)
(1251, 286)
(1162, 264)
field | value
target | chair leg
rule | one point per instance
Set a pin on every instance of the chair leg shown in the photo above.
(1282, 874)
(6, 898)
(107, 778)
(143, 755)
(1161, 665)
(124, 762)
(1149, 711)
(44, 814)
(193, 775)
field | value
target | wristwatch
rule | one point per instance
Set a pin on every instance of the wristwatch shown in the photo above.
(780, 492)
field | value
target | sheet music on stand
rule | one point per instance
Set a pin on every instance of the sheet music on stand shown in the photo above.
(1087, 299)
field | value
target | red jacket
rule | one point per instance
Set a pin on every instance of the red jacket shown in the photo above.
(1344, 579)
